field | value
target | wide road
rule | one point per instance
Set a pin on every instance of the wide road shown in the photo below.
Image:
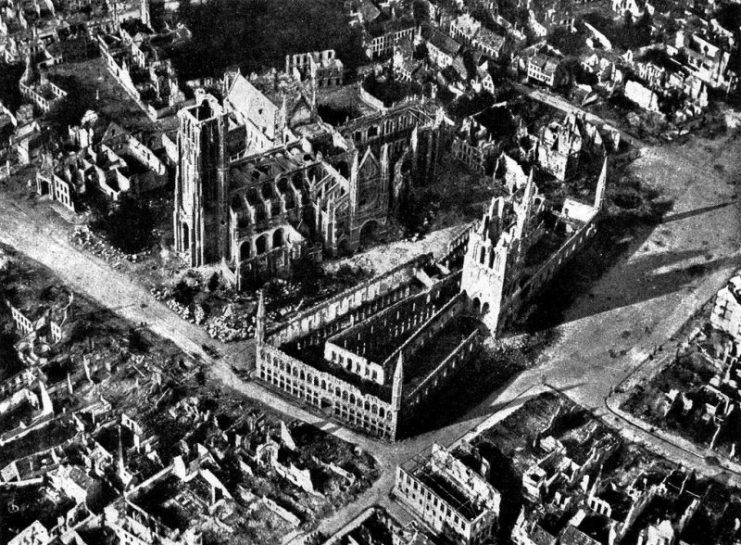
(655, 287)
(560, 103)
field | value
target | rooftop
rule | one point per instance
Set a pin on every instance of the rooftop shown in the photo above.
(443, 42)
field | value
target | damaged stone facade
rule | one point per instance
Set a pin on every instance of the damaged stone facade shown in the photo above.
(256, 205)
(333, 358)
(449, 496)
(519, 245)
(562, 146)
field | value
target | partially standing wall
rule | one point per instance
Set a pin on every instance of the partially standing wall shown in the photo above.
(549, 269)
(321, 316)
(373, 413)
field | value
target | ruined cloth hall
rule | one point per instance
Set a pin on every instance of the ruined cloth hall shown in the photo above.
(376, 355)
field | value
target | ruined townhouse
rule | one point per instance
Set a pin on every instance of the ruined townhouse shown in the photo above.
(708, 56)
(564, 146)
(544, 68)
(142, 70)
(442, 49)
(470, 32)
(113, 164)
(41, 326)
(198, 495)
(474, 146)
(144, 168)
(381, 42)
(254, 195)
(726, 313)
(322, 66)
(672, 82)
(636, 8)
(37, 89)
(450, 497)
(464, 28)
(374, 524)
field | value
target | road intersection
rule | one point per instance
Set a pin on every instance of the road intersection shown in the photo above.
(634, 307)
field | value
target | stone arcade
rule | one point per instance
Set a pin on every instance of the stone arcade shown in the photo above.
(373, 355)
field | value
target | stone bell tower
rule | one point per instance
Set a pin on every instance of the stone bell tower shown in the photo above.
(200, 216)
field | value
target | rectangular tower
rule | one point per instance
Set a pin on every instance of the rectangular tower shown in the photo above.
(200, 217)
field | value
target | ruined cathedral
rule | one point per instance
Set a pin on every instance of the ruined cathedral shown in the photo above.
(262, 180)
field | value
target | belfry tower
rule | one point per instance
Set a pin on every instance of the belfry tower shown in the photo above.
(200, 216)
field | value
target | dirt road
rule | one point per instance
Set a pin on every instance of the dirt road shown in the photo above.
(560, 103)
(634, 307)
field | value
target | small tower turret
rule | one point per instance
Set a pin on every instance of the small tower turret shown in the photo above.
(599, 196)
(260, 320)
(397, 385)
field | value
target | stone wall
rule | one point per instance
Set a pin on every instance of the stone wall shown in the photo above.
(326, 392)
(383, 330)
(318, 317)
(449, 366)
(435, 321)
(548, 270)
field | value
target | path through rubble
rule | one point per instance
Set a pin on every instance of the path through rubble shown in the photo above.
(635, 307)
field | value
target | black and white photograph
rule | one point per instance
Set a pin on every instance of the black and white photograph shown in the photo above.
(370, 272)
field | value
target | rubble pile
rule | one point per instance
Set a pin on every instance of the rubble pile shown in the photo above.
(159, 293)
(230, 327)
(283, 299)
(181, 310)
(84, 238)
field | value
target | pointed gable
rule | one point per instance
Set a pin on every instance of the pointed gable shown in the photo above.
(369, 166)
(246, 100)
(114, 131)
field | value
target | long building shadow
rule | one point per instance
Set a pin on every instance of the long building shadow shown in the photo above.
(642, 282)
(617, 236)
(470, 396)
(557, 303)
(486, 409)
(697, 211)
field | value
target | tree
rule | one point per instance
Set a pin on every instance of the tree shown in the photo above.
(257, 34)
(421, 12)
(127, 224)
(184, 10)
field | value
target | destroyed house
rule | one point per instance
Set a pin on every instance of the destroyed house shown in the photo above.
(562, 146)
(142, 70)
(707, 60)
(726, 313)
(322, 68)
(441, 48)
(543, 68)
(382, 39)
(376, 526)
(37, 89)
(133, 525)
(448, 496)
(474, 145)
